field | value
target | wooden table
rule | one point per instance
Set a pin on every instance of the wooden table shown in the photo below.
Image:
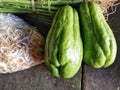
(39, 78)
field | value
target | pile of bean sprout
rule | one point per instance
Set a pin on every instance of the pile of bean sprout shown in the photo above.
(20, 46)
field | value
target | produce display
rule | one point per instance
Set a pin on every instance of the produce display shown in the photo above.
(64, 50)
(99, 44)
(79, 32)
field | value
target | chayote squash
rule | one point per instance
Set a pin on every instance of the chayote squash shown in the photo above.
(63, 48)
(99, 42)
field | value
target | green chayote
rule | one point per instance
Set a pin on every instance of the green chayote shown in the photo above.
(64, 49)
(99, 42)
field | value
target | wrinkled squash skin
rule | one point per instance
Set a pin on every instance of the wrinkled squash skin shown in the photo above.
(99, 42)
(64, 49)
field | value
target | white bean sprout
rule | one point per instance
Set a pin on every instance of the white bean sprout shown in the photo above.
(16, 39)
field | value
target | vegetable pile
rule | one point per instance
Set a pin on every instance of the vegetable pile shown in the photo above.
(79, 31)
(64, 48)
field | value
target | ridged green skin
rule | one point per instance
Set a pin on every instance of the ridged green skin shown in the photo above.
(99, 42)
(64, 49)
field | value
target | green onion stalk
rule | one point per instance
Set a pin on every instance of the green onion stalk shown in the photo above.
(43, 9)
(28, 6)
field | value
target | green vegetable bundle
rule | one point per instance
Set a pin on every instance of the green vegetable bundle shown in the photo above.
(44, 10)
(28, 6)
